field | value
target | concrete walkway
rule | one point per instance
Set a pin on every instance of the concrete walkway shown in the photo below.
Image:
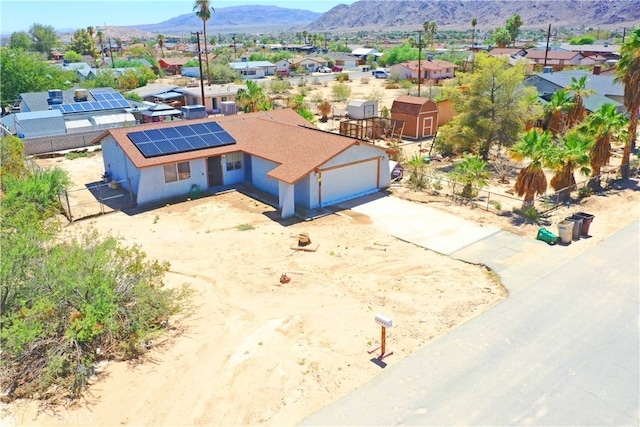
(563, 349)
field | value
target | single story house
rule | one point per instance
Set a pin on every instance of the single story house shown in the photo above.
(277, 151)
(39, 123)
(346, 61)
(364, 52)
(555, 58)
(435, 70)
(152, 90)
(309, 63)
(214, 95)
(253, 69)
(172, 65)
(282, 65)
(420, 116)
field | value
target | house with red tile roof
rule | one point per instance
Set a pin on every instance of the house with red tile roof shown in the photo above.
(276, 151)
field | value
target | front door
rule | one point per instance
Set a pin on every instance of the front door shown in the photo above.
(214, 169)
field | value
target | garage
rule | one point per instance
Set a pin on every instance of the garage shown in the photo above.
(348, 181)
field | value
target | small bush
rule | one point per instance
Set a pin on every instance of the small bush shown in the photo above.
(530, 213)
(245, 227)
(342, 77)
(365, 80)
(585, 192)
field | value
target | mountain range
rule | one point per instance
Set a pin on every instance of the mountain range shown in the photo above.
(410, 14)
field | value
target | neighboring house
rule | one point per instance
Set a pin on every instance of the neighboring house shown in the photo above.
(282, 65)
(82, 69)
(275, 151)
(346, 61)
(151, 90)
(364, 52)
(159, 113)
(253, 69)
(434, 70)
(555, 58)
(593, 60)
(39, 123)
(309, 63)
(420, 116)
(605, 87)
(214, 95)
(172, 65)
(609, 51)
(515, 56)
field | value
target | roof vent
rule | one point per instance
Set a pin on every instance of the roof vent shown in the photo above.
(547, 70)
(80, 95)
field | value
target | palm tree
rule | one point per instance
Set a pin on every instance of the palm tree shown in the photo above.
(430, 28)
(203, 10)
(571, 153)
(324, 108)
(161, 43)
(531, 180)
(305, 33)
(100, 36)
(628, 72)
(513, 26)
(252, 98)
(472, 173)
(576, 112)
(474, 22)
(556, 111)
(602, 125)
(90, 31)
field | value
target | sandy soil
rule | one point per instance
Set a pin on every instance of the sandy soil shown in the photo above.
(250, 350)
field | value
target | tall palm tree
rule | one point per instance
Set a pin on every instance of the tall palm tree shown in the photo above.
(628, 72)
(531, 181)
(100, 36)
(90, 31)
(557, 110)
(602, 125)
(161, 43)
(474, 22)
(569, 154)
(577, 110)
(305, 33)
(430, 28)
(252, 98)
(513, 25)
(203, 10)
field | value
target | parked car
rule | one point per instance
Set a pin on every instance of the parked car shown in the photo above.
(323, 70)
(284, 73)
(336, 69)
(380, 73)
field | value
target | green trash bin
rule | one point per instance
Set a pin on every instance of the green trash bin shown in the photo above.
(586, 221)
(565, 230)
(547, 236)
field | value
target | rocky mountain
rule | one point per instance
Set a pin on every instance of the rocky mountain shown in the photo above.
(457, 14)
(237, 19)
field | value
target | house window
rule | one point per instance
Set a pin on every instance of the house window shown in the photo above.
(234, 161)
(177, 172)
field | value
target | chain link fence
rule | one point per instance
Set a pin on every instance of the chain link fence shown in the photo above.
(96, 198)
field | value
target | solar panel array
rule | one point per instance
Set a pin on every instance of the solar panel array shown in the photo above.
(103, 101)
(180, 139)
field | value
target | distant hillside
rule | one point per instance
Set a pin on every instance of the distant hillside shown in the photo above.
(237, 19)
(456, 14)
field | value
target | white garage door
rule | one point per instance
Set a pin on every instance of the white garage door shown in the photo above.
(349, 182)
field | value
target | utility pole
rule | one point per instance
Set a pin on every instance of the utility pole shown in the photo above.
(113, 64)
(419, 59)
(235, 54)
(197, 34)
(546, 51)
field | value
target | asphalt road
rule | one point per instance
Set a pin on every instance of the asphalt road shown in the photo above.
(562, 350)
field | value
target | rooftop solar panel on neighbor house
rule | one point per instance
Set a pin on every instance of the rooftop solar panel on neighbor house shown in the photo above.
(180, 139)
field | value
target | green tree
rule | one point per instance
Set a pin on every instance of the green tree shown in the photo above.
(501, 37)
(139, 52)
(603, 125)
(203, 10)
(221, 73)
(628, 72)
(430, 27)
(44, 38)
(12, 158)
(253, 98)
(494, 109)
(72, 56)
(534, 147)
(105, 77)
(472, 173)
(83, 43)
(513, 26)
(569, 154)
(100, 36)
(28, 72)
(474, 22)
(21, 40)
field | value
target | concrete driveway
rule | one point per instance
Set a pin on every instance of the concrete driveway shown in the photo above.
(419, 224)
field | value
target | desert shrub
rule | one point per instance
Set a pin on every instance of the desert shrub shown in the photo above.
(342, 77)
(365, 80)
(585, 192)
(341, 92)
(392, 86)
(530, 213)
(315, 81)
(279, 86)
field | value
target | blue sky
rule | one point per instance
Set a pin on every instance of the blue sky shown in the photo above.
(18, 15)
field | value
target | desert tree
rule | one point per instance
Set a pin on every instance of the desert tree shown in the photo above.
(203, 10)
(472, 173)
(577, 111)
(532, 147)
(161, 39)
(513, 26)
(324, 108)
(252, 98)
(557, 112)
(568, 154)
(501, 37)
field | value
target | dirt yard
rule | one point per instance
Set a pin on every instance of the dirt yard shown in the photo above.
(250, 350)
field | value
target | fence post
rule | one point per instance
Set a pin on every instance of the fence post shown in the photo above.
(488, 198)
(100, 198)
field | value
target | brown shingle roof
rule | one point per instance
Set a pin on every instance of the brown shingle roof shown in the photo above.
(552, 54)
(281, 136)
(410, 105)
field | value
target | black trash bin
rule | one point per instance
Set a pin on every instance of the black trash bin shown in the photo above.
(586, 221)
